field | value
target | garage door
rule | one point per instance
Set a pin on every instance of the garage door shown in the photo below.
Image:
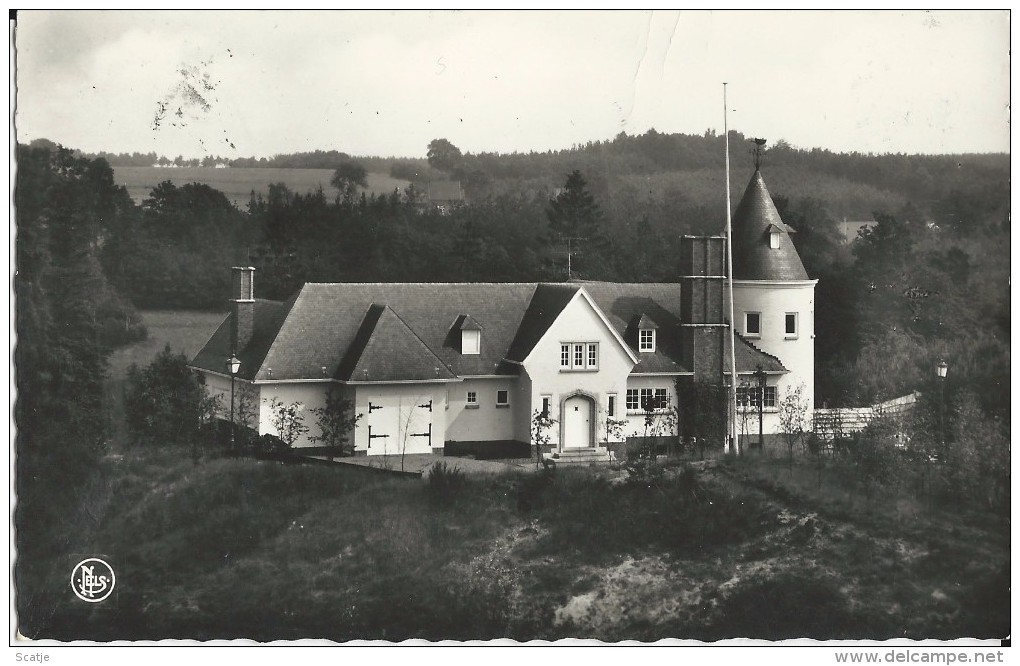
(399, 424)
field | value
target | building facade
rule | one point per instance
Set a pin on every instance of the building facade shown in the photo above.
(462, 366)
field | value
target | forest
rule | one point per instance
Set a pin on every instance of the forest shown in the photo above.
(928, 281)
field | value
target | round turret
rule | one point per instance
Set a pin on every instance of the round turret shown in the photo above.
(773, 297)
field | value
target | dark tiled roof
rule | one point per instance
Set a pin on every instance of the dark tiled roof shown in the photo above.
(626, 304)
(546, 304)
(269, 317)
(325, 319)
(467, 323)
(385, 349)
(405, 331)
(644, 321)
(753, 257)
(750, 357)
(445, 190)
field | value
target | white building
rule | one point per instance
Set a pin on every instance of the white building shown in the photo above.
(460, 367)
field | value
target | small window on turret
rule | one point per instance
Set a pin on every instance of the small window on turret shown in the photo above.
(752, 324)
(774, 240)
(791, 325)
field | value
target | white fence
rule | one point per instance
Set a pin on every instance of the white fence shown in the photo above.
(830, 424)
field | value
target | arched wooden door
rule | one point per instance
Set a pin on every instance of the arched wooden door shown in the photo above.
(578, 418)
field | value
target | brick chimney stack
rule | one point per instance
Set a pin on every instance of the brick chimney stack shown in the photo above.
(242, 307)
(702, 297)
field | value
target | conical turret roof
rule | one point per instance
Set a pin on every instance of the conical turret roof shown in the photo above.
(754, 221)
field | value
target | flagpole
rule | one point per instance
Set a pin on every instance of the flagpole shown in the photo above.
(732, 445)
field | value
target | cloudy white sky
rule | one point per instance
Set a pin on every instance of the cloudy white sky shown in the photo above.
(388, 82)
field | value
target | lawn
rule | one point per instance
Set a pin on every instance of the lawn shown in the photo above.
(237, 183)
(242, 548)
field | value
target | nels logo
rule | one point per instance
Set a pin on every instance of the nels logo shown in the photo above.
(92, 580)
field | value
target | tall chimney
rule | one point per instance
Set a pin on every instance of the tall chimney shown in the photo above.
(702, 299)
(242, 307)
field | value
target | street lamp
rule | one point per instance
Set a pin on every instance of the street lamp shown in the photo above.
(941, 369)
(759, 374)
(233, 365)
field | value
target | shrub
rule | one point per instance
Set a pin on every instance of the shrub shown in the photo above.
(445, 484)
(165, 403)
(596, 518)
(787, 606)
(643, 471)
(533, 490)
(268, 446)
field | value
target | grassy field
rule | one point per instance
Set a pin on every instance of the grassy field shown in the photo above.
(237, 183)
(235, 548)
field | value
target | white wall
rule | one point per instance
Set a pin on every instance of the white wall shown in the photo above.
(577, 323)
(219, 388)
(773, 300)
(311, 395)
(662, 423)
(436, 392)
(487, 422)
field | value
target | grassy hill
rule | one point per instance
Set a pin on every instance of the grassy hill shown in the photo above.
(754, 547)
(236, 548)
(237, 183)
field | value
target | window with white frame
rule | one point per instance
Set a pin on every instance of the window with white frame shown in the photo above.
(611, 405)
(579, 356)
(546, 405)
(747, 397)
(752, 324)
(646, 340)
(647, 400)
(470, 342)
(502, 398)
(472, 399)
(791, 325)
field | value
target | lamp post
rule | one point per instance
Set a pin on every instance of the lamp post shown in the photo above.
(759, 374)
(233, 365)
(941, 369)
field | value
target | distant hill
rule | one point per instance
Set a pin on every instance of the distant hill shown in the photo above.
(237, 183)
(653, 170)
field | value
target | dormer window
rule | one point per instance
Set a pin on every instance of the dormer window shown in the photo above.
(645, 333)
(470, 335)
(646, 340)
(774, 236)
(471, 342)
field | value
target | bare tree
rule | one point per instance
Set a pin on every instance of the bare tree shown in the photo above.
(541, 424)
(336, 420)
(288, 420)
(793, 417)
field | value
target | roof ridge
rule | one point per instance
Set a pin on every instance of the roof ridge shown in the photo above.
(283, 323)
(362, 336)
(418, 337)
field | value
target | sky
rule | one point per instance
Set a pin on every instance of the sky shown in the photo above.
(388, 82)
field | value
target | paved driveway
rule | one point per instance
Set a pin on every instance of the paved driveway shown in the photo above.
(418, 463)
